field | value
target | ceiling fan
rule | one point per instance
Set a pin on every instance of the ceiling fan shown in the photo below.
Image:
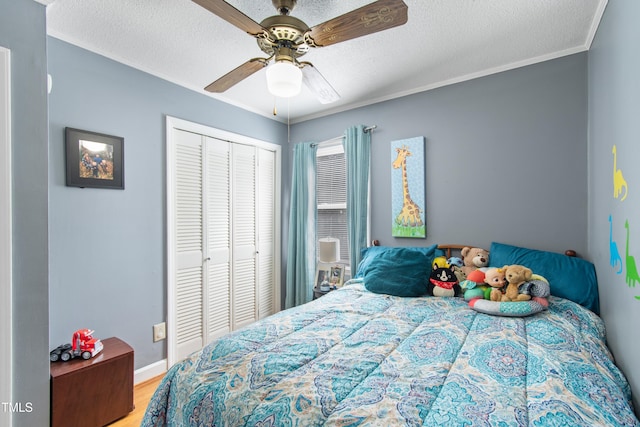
(285, 38)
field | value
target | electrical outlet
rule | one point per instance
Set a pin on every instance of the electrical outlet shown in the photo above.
(159, 332)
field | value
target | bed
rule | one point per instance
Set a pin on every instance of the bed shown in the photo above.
(357, 357)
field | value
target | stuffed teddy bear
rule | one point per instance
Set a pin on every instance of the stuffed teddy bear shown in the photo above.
(473, 258)
(496, 279)
(517, 276)
(443, 283)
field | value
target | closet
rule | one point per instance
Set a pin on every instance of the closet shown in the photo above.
(223, 234)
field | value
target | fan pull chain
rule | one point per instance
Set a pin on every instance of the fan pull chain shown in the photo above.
(275, 113)
(288, 121)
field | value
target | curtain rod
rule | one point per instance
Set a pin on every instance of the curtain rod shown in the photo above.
(367, 129)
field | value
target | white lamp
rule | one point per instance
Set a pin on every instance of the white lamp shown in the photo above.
(329, 250)
(284, 79)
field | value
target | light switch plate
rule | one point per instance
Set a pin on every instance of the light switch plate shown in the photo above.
(159, 332)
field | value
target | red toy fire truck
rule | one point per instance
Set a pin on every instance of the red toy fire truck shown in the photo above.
(82, 344)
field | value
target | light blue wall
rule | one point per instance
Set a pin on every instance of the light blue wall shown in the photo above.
(614, 119)
(506, 157)
(512, 145)
(22, 30)
(107, 247)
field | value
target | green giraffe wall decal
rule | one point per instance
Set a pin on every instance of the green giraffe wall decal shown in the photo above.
(632, 272)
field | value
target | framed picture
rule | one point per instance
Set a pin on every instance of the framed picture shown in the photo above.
(337, 275)
(331, 272)
(94, 159)
(408, 196)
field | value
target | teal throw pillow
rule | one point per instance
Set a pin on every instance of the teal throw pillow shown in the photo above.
(400, 272)
(569, 277)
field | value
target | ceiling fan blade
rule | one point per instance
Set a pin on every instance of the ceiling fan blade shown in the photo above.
(232, 15)
(237, 74)
(369, 19)
(316, 82)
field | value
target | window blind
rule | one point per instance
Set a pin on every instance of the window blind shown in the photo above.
(332, 197)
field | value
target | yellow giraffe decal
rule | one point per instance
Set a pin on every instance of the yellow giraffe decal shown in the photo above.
(618, 180)
(409, 215)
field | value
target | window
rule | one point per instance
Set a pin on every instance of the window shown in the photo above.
(332, 196)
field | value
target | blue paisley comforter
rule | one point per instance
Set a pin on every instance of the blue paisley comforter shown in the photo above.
(355, 358)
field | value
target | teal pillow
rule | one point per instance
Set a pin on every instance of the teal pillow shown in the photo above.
(402, 272)
(569, 277)
(370, 254)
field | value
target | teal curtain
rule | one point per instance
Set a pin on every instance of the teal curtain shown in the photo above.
(301, 262)
(357, 148)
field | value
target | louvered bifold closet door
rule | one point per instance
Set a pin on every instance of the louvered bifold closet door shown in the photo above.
(223, 252)
(266, 233)
(243, 185)
(188, 243)
(217, 280)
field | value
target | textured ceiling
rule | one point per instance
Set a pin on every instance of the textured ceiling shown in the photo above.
(443, 42)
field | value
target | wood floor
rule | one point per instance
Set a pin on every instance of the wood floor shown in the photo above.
(141, 395)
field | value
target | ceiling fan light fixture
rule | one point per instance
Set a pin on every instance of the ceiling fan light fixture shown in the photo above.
(284, 79)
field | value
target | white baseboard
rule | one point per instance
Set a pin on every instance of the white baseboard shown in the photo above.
(150, 371)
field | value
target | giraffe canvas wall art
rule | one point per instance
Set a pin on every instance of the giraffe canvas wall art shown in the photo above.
(408, 196)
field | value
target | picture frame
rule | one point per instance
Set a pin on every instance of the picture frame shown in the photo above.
(94, 159)
(333, 272)
(408, 188)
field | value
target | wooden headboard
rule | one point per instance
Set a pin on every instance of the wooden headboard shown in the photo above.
(449, 249)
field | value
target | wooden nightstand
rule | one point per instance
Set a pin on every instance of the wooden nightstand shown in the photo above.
(94, 392)
(317, 293)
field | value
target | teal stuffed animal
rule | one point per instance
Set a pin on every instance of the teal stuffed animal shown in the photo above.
(474, 286)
